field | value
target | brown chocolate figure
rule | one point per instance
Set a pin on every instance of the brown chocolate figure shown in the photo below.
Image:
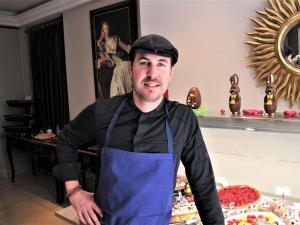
(193, 98)
(270, 100)
(234, 98)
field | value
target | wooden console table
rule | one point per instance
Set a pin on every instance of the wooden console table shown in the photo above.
(38, 148)
(31, 146)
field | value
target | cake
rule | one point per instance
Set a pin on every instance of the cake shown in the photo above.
(183, 207)
(183, 210)
(238, 196)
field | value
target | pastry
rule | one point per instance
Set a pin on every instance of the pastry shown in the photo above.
(181, 181)
(238, 196)
(187, 190)
(184, 210)
(44, 136)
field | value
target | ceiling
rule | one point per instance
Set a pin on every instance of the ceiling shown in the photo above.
(24, 13)
(15, 7)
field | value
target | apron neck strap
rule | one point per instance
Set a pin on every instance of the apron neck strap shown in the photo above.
(169, 131)
(113, 121)
(116, 115)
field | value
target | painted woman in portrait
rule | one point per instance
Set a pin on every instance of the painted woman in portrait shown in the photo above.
(112, 64)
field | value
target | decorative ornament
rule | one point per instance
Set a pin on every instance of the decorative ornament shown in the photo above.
(193, 98)
(234, 98)
(270, 100)
(268, 53)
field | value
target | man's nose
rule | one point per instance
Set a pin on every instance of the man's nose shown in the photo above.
(151, 72)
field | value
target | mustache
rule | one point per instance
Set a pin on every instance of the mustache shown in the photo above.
(147, 79)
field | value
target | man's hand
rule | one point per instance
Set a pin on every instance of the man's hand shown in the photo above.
(85, 207)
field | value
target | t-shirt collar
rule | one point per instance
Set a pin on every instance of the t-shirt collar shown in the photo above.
(158, 109)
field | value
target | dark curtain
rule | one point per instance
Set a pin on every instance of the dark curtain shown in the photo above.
(47, 52)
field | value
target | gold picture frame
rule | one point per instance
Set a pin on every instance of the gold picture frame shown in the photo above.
(268, 43)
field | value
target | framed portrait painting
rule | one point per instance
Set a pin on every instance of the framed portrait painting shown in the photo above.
(113, 30)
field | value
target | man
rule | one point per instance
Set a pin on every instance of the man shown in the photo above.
(142, 137)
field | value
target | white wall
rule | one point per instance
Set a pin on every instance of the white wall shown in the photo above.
(210, 37)
(78, 50)
(11, 82)
(25, 63)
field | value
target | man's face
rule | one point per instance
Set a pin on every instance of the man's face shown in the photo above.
(151, 75)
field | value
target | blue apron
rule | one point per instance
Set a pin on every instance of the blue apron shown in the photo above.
(135, 188)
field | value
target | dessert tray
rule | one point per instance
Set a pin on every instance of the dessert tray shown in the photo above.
(252, 218)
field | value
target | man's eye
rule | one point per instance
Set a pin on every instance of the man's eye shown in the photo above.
(161, 65)
(143, 63)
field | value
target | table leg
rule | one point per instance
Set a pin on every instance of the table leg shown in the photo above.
(9, 154)
(34, 165)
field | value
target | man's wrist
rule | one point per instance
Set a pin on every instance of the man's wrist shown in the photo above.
(73, 191)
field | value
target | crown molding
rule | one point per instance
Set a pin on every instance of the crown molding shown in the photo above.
(43, 11)
(10, 21)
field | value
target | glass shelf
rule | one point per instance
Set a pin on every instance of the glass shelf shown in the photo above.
(21, 103)
(277, 124)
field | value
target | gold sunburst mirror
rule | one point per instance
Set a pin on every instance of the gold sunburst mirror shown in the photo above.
(276, 47)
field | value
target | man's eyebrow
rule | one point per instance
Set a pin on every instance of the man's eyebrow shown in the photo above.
(143, 57)
(163, 60)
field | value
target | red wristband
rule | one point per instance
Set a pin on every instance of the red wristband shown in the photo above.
(73, 191)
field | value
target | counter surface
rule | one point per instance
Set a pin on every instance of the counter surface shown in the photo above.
(278, 124)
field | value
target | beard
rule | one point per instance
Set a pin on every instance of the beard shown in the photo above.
(144, 95)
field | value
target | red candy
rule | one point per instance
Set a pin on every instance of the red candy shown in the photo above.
(290, 114)
(252, 112)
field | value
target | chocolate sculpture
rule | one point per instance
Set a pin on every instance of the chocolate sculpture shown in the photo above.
(193, 98)
(270, 100)
(234, 98)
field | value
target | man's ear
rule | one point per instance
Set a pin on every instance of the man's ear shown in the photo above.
(172, 72)
(130, 68)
